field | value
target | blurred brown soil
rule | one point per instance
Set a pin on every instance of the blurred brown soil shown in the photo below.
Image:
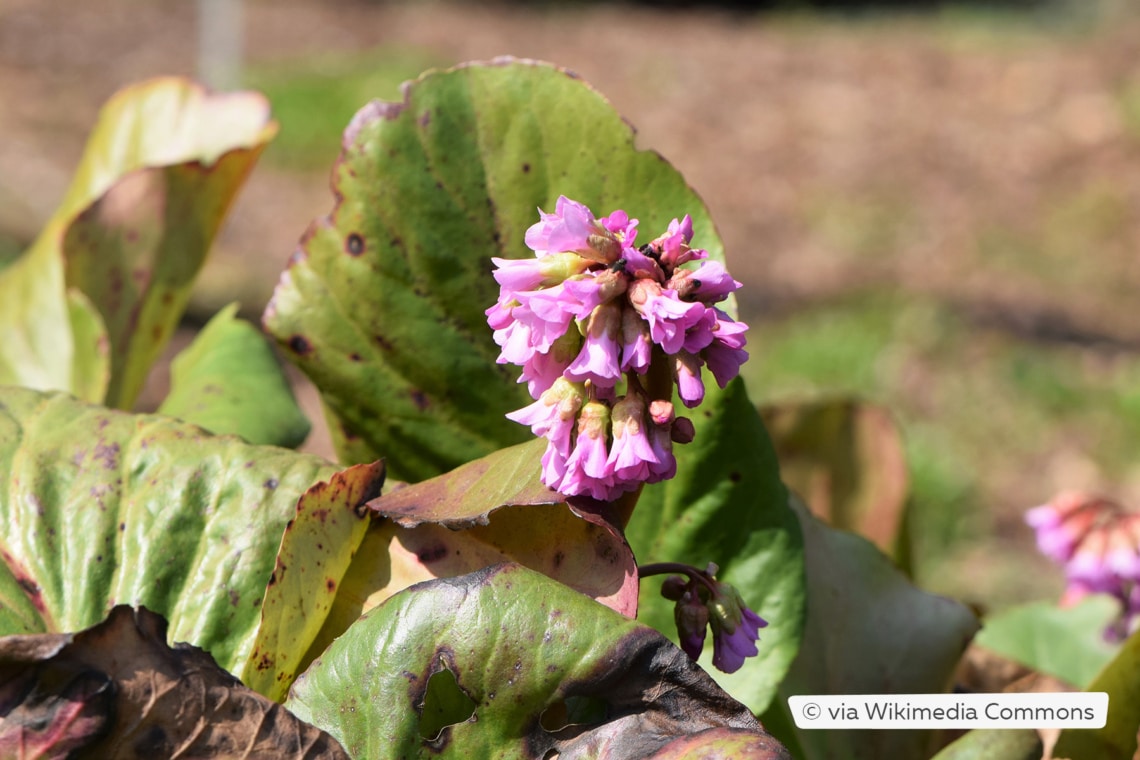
(835, 156)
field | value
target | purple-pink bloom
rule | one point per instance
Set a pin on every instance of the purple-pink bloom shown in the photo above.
(712, 282)
(599, 360)
(631, 453)
(593, 311)
(724, 355)
(636, 345)
(731, 648)
(687, 372)
(567, 229)
(668, 316)
(623, 228)
(587, 468)
(692, 619)
(541, 370)
(552, 416)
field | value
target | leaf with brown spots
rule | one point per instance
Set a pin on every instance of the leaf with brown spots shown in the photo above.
(229, 381)
(118, 690)
(550, 672)
(316, 550)
(90, 306)
(102, 508)
(486, 512)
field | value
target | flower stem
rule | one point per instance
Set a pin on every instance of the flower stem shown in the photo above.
(663, 568)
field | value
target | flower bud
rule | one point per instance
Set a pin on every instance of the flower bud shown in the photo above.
(661, 412)
(674, 588)
(682, 430)
(692, 618)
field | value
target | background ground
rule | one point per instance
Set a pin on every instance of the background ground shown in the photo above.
(937, 212)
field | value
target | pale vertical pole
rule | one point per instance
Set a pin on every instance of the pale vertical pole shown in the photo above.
(220, 33)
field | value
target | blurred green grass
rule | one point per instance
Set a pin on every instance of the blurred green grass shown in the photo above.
(981, 411)
(313, 99)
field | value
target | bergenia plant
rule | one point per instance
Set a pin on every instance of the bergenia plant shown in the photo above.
(449, 587)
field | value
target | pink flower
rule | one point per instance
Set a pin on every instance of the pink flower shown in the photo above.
(631, 453)
(600, 358)
(567, 229)
(541, 371)
(515, 275)
(588, 471)
(712, 283)
(1098, 543)
(595, 314)
(732, 647)
(687, 372)
(636, 345)
(623, 228)
(668, 316)
(672, 248)
(724, 355)
(553, 415)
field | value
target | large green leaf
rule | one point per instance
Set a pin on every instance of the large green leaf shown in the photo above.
(546, 670)
(728, 506)
(1117, 740)
(994, 744)
(159, 172)
(101, 508)
(229, 381)
(1064, 642)
(483, 513)
(383, 304)
(869, 631)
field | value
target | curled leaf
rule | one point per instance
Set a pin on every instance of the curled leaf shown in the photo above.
(118, 690)
(159, 172)
(521, 647)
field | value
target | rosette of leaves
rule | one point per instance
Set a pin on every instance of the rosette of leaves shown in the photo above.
(262, 556)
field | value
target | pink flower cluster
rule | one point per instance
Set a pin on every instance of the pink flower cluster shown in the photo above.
(1098, 543)
(603, 331)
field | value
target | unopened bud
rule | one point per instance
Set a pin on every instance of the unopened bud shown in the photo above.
(674, 588)
(604, 247)
(682, 430)
(661, 412)
(594, 420)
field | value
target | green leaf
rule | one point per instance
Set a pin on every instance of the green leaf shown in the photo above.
(317, 549)
(1117, 740)
(869, 631)
(51, 336)
(229, 381)
(994, 744)
(1067, 643)
(383, 306)
(486, 512)
(101, 508)
(728, 506)
(159, 172)
(525, 650)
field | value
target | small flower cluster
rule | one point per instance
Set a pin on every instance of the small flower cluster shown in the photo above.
(603, 330)
(1098, 543)
(702, 600)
